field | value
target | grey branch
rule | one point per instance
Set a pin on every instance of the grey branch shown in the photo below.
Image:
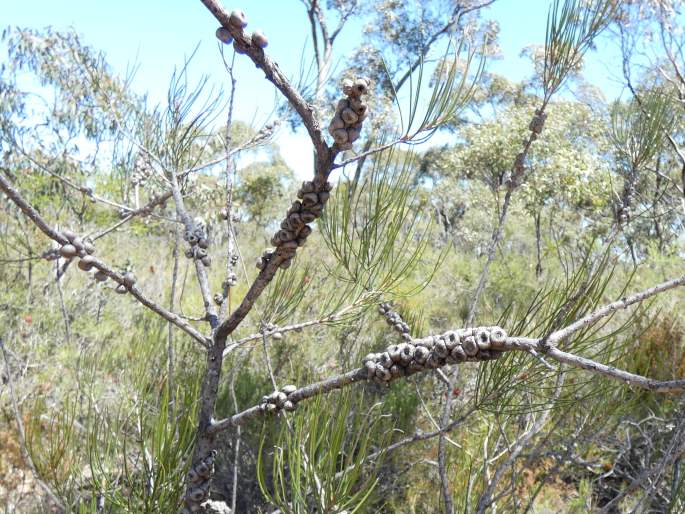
(57, 236)
(525, 344)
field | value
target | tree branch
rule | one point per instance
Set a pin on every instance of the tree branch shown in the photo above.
(37, 219)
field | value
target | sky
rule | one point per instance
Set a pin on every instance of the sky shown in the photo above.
(157, 35)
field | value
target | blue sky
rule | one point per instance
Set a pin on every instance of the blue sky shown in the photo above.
(157, 34)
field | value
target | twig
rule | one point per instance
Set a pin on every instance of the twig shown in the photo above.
(57, 236)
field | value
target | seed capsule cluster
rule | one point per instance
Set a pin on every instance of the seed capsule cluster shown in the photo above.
(535, 127)
(238, 21)
(394, 320)
(623, 211)
(198, 242)
(76, 246)
(346, 126)
(279, 400)
(295, 227)
(199, 481)
(84, 250)
(432, 352)
(537, 123)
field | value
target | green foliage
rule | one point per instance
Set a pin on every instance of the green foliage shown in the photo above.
(317, 459)
(571, 29)
(376, 232)
(638, 128)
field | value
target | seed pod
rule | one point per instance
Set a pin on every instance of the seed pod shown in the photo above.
(277, 336)
(193, 476)
(394, 352)
(129, 279)
(100, 276)
(238, 48)
(288, 405)
(218, 299)
(428, 342)
(458, 354)
(295, 221)
(204, 470)
(361, 87)
(421, 354)
(70, 235)
(223, 214)
(287, 248)
(396, 371)
(451, 339)
(537, 123)
(206, 261)
(385, 360)
(316, 209)
(307, 187)
(198, 494)
(383, 374)
(270, 407)
(68, 251)
(353, 134)
(238, 19)
(347, 86)
(199, 253)
(89, 247)
(78, 243)
(306, 230)
(121, 289)
(223, 35)
(349, 116)
(497, 336)
(285, 264)
(295, 207)
(86, 263)
(470, 346)
(203, 243)
(407, 352)
(489, 355)
(192, 239)
(189, 253)
(307, 216)
(482, 336)
(441, 349)
(414, 367)
(358, 106)
(340, 136)
(324, 196)
(259, 39)
(289, 389)
(281, 398)
(370, 369)
(433, 361)
(519, 164)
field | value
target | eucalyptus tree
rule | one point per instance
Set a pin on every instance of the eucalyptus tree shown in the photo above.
(323, 443)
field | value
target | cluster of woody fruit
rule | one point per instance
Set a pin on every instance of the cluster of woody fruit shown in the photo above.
(432, 352)
(238, 20)
(84, 250)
